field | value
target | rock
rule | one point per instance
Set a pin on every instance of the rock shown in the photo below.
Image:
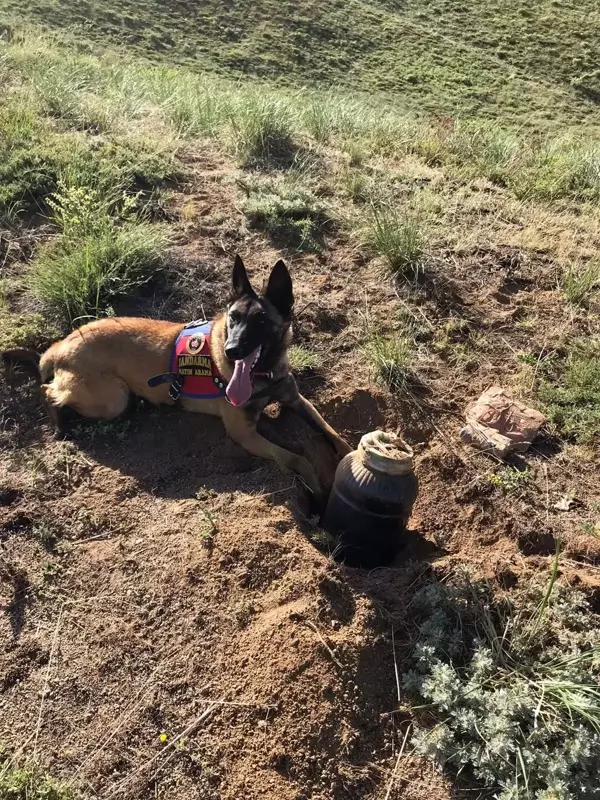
(498, 424)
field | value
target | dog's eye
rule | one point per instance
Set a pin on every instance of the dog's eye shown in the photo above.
(261, 319)
(234, 316)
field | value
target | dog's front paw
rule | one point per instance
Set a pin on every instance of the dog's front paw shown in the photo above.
(302, 467)
(342, 448)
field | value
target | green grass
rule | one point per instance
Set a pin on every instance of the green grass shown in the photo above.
(104, 250)
(30, 784)
(34, 157)
(80, 280)
(535, 167)
(357, 185)
(535, 65)
(30, 159)
(570, 391)
(262, 130)
(25, 330)
(303, 359)
(263, 125)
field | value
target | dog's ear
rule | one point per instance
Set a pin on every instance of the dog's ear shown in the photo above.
(239, 280)
(279, 289)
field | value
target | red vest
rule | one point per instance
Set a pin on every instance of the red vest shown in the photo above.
(191, 361)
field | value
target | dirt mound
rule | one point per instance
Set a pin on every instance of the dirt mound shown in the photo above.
(192, 578)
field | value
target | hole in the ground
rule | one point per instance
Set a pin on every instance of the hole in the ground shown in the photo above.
(17, 524)
(362, 412)
(537, 543)
(508, 579)
(9, 496)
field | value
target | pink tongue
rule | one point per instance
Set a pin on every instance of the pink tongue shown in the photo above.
(239, 389)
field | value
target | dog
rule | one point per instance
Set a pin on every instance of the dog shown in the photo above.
(232, 367)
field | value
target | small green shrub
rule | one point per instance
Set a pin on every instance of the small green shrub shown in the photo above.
(391, 357)
(208, 527)
(288, 211)
(569, 391)
(399, 239)
(509, 479)
(579, 281)
(25, 330)
(104, 251)
(80, 210)
(30, 784)
(513, 685)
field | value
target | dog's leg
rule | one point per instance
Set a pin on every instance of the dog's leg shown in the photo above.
(244, 432)
(308, 412)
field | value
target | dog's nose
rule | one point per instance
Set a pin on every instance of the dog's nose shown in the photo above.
(233, 352)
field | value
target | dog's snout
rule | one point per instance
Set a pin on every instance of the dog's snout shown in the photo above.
(233, 351)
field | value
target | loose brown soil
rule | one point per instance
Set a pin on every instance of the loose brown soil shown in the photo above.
(157, 582)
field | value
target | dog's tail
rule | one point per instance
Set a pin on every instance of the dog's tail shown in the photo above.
(25, 357)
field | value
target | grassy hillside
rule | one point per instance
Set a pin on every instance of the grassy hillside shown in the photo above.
(527, 64)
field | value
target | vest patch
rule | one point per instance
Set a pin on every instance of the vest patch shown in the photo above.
(192, 361)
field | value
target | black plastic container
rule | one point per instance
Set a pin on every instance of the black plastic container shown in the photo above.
(371, 500)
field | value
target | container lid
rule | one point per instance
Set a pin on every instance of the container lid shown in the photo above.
(385, 452)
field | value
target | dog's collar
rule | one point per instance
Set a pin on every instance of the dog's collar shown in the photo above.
(268, 390)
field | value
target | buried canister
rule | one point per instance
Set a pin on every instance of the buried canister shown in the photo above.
(372, 496)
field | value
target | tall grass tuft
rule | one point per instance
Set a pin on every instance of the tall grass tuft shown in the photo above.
(262, 129)
(104, 251)
(196, 105)
(579, 281)
(80, 280)
(399, 239)
(391, 357)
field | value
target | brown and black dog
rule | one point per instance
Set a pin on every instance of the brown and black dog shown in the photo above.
(95, 370)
